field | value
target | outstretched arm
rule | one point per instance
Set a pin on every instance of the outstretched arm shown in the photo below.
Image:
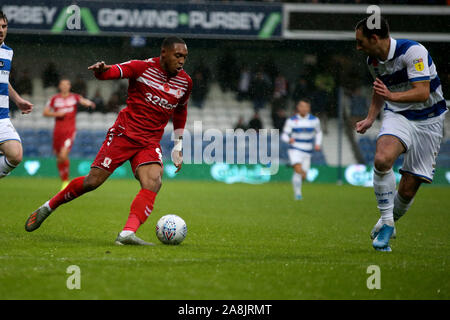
(102, 71)
(24, 105)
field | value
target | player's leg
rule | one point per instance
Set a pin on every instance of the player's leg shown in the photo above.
(10, 148)
(388, 149)
(295, 159)
(419, 163)
(404, 198)
(63, 164)
(11, 154)
(297, 177)
(76, 188)
(150, 178)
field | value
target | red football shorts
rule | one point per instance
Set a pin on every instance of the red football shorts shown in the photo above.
(63, 139)
(117, 149)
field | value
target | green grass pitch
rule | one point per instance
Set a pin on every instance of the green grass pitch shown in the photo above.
(243, 242)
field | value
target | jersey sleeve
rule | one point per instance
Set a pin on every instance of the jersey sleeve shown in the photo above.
(319, 135)
(287, 129)
(416, 63)
(179, 118)
(124, 70)
(184, 100)
(131, 69)
(51, 103)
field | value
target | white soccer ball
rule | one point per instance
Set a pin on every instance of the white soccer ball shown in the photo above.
(171, 229)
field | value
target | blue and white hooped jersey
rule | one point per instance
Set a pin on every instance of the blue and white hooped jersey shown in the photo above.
(6, 55)
(408, 62)
(305, 130)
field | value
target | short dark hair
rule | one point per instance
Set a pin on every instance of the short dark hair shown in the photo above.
(3, 16)
(170, 41)
(307, 100)
(382, 31)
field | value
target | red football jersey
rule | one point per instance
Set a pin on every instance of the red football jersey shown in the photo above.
(68, 105)
(153, 99)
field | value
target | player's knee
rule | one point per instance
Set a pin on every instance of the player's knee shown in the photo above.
(62, 157)
(152, 182)
(383, 162)
(15, 158)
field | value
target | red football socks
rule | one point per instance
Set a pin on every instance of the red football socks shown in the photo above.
(72, 191)
(63, 168)
(141, 207)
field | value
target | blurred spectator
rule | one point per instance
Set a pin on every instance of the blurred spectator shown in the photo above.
(113, 104)
(24, 85)
(240, 124)
(200, 86)
(270, 68)
(243, 88)
(260, 90)
(280, 87)
(444, 75)
(79, 86)
(322, 98)
(226, 67)
(255, 122)
(302, 89)
(278, 112)
(99, 102)
(50, 76)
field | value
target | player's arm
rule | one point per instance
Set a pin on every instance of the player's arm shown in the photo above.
(374, 110)
(319, 137)
(415, 60)
(24, 105)
(49, 112)
(125, 70)
(103, 71)
(179, 122)
(86, 103)
(286, 135)
(419, 92)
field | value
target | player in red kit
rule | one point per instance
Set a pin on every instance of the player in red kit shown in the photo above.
(63, 107)
(158, 91)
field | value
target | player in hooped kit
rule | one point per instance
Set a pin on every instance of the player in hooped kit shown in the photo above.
(10, 144)
(409, 90)
(63, 107)
(158, 90)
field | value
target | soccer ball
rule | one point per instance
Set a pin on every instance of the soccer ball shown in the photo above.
(171, 229)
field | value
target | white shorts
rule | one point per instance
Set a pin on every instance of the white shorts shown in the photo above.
(7, 131)
(422, 140)
(300, 157)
